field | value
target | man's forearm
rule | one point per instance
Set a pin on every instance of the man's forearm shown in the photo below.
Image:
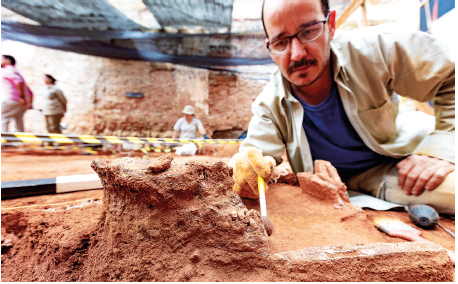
(21, 89)
(203, 132)
(26, 97)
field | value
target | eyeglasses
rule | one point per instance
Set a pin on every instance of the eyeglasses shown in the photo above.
(307, 34)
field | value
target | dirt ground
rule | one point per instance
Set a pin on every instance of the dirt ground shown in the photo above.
(17, 166)
(299, 222)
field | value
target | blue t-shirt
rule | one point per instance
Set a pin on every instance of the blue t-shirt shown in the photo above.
(332, 137)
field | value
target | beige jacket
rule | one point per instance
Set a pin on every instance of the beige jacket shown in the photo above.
(55, 101)
(370, 66)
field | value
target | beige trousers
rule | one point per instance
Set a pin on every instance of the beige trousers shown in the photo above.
(13, 111)
(53, 122)
(382, 182)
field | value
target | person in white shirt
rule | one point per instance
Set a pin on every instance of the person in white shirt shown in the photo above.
(187, 127)
(55, 105)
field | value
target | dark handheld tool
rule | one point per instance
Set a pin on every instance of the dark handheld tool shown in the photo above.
(426, 217)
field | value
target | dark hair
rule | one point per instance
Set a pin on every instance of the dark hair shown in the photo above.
(10, 58)
(51, 77)
(324, 7)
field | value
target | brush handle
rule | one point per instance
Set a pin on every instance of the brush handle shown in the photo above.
(262, 196)
(409, 235)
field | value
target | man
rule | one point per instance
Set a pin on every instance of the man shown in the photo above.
(15, 100)
(335, 99)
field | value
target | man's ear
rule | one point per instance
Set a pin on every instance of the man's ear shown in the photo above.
(332, 23)
(267, 41)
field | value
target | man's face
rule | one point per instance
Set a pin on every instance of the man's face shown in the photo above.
(48, 81)
(303, 63)
(5, 61)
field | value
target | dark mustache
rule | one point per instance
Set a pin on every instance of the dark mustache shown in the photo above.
(297, 64)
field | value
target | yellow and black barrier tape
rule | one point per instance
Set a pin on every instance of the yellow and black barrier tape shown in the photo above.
(63, 138)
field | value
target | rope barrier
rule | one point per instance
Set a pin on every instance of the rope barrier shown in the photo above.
(54, 204)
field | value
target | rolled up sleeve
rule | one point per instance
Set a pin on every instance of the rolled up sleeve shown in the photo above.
(422, 69)
(263, 133)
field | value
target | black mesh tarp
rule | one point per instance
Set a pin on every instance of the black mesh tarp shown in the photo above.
(81, 14)
(211, 14)
(198, 50)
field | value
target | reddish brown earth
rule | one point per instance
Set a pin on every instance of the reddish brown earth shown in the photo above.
(51, 163)
(59, 242)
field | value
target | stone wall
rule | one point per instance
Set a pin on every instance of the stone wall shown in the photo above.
(95, 89)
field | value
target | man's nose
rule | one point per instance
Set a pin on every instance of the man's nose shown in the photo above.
(298, 50)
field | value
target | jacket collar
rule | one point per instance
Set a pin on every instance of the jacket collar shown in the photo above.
(282, 86)
(338, 61)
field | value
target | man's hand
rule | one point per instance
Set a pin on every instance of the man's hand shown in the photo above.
(22, 102)
(420, 172)
(247, 165)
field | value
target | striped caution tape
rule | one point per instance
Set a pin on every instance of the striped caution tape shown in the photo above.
(63, 138)
(35, 147)
(94, 150)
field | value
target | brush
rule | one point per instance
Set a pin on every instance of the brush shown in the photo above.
(262, 202)
(396, 228)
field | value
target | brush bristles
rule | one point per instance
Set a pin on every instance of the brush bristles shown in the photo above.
(389, 225)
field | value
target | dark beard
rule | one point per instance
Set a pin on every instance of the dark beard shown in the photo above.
(317, 77)
(297, 64)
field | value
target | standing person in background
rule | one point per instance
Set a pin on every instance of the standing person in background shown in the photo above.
(187, 127)
(15, 100)
(55, 105)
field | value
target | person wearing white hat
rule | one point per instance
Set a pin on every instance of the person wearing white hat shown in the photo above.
(186, 127)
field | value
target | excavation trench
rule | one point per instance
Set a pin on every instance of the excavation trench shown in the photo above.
(167, 220)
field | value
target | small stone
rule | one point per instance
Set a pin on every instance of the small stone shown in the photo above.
(253, 223)
(195, 256)
(8, 243)
(339, 206)
(161, 164)
(189, 271)
(242, 213)
(234, 214)
(251, 212)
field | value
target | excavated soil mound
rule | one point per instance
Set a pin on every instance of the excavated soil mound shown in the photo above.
(165, 220)
(160, 221)
(172, 214)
